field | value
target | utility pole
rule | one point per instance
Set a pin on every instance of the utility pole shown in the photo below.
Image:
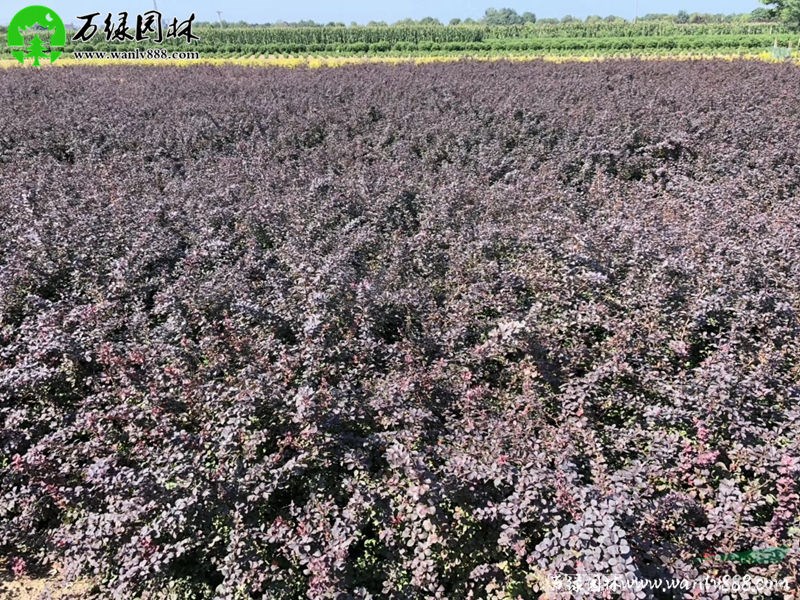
(636, 12)
(219, 17)
(163, 20)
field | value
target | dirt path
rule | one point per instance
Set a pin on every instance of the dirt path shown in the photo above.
(51, 588)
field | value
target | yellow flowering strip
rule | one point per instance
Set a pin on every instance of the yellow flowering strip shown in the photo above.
(320, 61)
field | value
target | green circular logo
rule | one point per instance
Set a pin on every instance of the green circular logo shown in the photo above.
(36, 32)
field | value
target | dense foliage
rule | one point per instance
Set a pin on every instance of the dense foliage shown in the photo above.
(787, 10)
(541, 38)
(398, 332)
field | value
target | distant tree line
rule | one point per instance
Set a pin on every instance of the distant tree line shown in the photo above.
(785, 10)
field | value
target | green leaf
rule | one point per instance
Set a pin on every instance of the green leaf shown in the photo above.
(766, 556)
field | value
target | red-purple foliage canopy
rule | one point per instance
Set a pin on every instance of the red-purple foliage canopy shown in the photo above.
(398, 331)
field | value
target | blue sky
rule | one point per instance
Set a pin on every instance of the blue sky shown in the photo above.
(362, 11)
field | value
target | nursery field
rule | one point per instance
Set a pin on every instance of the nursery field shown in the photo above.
(601, 39)
(400, 331)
